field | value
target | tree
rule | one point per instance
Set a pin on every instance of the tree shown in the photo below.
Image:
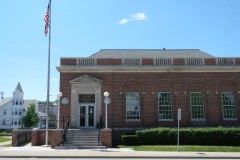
(31, 119)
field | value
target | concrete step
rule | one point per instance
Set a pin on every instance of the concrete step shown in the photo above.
(79, 136)
(82, 137)
(81, 144)
(80, 147)
(91, 135)
(81, 140)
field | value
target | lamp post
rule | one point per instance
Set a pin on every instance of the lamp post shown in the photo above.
(106, 101)
(59, 94)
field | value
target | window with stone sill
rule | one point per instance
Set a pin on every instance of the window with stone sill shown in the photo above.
(197, 106)
(132, 106)
(228, 105)
(165, 106)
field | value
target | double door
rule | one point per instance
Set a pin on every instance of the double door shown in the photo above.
(87, 115)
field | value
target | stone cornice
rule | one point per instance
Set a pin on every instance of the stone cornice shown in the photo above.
(121, 69)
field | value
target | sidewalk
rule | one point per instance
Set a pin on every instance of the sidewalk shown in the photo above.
(44, 152)
(5, 143)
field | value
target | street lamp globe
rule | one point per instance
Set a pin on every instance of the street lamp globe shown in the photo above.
(59, 94)
(106, 94)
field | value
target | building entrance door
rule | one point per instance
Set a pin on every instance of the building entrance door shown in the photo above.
(87, 116)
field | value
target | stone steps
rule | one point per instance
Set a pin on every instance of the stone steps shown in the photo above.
(82, 139)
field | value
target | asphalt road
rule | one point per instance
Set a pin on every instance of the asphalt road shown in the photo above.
(104, 159)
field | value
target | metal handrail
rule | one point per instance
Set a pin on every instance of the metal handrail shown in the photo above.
(99, 129)
(64, 132)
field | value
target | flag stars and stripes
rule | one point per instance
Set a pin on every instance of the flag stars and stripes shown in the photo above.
(46, 19)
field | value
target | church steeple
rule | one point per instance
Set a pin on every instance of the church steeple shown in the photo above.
(18, 95)
(18, 88)
(18, 105)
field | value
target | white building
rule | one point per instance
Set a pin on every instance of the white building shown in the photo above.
(13, 109)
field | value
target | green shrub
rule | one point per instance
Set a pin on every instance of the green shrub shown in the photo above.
(130, 140)
(190, 136)
(157, 136)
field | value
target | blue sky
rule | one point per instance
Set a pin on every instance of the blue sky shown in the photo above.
(83, 27)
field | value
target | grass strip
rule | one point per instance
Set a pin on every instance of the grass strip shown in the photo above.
(4, 139)
(185, 148)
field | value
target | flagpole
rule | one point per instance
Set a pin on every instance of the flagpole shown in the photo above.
(48, 75)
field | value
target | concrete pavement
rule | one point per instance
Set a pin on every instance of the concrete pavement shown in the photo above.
(7, 142)
(47, 152)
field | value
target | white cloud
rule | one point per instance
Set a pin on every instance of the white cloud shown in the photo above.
(135, 17)
(124, 21)
(139, 16)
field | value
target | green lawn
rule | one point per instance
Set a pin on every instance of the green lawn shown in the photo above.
(185, 148)
(4, 139)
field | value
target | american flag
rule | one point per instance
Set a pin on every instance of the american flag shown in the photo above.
(46, 19)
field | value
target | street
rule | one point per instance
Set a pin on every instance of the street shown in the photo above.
(107, 158)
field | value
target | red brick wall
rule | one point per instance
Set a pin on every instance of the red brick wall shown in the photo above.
(68, 61)
(21, 136)
(149, 84)
(65, 88)
(54, 137)
(106, 137)
(178, 61)
(237, 61)
(210, 61)
(109, 62)
(147, 61)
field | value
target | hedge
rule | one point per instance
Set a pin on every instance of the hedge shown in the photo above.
(190, 136)
(130, 140)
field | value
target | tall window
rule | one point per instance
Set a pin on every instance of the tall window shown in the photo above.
(228, 105)
(132, 106)
(197, 105)
(3, 122)
(164, 105)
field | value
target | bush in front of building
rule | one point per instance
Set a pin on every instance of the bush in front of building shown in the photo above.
(190, 136)
(130, 140)
(157, 136)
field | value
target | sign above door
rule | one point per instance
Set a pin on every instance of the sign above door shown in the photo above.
(86, 98)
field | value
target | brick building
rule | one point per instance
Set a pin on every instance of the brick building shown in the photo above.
(147, 87)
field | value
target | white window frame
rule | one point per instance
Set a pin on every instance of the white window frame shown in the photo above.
(132, 103)
(165, 106)
(227, 117)
(197, 116)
